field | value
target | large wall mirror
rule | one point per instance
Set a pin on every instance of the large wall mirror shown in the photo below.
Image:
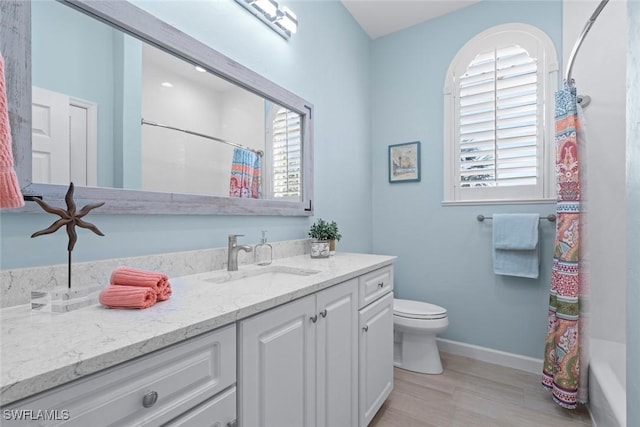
(143, 116)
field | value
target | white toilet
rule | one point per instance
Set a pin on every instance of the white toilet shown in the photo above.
(415, 326)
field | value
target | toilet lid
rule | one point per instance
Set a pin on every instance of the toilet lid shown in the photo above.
(417, 309)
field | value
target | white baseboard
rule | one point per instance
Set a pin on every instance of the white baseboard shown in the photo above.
(489, 355)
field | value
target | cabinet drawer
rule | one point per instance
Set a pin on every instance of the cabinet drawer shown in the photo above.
(220, 411)
(375, 284)
(181, 377)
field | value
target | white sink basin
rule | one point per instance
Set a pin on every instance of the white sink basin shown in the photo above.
(260, 275)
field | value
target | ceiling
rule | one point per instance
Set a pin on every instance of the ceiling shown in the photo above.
(381, 17)
(172, 68)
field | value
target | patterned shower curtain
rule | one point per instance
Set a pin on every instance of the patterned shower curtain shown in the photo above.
(245, 174)
(566, 352)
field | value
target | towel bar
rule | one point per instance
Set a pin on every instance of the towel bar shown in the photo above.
(550, 217)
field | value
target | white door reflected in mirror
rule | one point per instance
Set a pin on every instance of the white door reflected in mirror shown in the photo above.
(64, 139)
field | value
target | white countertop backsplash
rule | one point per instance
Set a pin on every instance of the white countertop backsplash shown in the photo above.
(42, 350)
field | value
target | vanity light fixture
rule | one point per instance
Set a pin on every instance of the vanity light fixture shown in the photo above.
(282, 21)
(268, 7)
(287, 20)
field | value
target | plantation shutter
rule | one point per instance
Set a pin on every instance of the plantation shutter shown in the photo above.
(498, 113)
(287, 150)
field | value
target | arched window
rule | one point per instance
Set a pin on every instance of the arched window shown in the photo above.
(498, 117)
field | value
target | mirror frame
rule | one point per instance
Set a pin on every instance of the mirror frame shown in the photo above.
(15, 39)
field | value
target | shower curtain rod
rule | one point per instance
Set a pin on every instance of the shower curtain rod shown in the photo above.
(146, 122)
(576, 47)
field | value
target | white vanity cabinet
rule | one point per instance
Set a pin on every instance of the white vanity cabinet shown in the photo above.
(321, 360)
(174, 385)
(375, 342)
(298, 362)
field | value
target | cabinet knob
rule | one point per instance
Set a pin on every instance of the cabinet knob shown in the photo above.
(323, 313)
(149, 399)
(365, 328)
(313, 318)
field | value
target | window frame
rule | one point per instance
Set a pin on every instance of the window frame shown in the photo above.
(500, 36)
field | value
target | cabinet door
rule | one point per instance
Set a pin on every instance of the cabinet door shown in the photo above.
(277, 366)
(376, 357)
(337, 355)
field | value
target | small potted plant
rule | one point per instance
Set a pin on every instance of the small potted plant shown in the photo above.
(323, 231)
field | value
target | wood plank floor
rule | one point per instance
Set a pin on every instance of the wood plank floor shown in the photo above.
(471, 393)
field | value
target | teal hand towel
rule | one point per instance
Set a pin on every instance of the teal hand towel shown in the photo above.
(515, 245)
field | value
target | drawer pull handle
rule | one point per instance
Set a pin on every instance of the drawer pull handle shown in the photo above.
(323, 313)
(150, 399)
(381, 285)
(365, 328)
(313, 318)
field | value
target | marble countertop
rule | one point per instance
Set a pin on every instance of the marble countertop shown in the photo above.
(42, 350)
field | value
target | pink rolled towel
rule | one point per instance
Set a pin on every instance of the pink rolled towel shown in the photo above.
(165, 294)
(128, 276)
(120, 296)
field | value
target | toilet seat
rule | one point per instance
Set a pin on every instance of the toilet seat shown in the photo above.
(418, 310)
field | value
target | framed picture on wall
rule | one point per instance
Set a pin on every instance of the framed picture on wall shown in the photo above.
(404, 162)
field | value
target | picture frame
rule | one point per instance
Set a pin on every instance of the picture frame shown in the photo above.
(404, 162)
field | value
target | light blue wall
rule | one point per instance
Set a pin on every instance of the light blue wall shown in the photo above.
(633, 220)
(327, 62)
(444, 253)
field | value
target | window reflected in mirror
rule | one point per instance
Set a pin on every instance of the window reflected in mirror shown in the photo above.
(287, 149)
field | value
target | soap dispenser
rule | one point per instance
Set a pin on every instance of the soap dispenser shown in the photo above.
(263, 251)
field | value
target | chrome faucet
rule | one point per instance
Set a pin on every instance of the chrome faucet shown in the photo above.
(232, 261)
